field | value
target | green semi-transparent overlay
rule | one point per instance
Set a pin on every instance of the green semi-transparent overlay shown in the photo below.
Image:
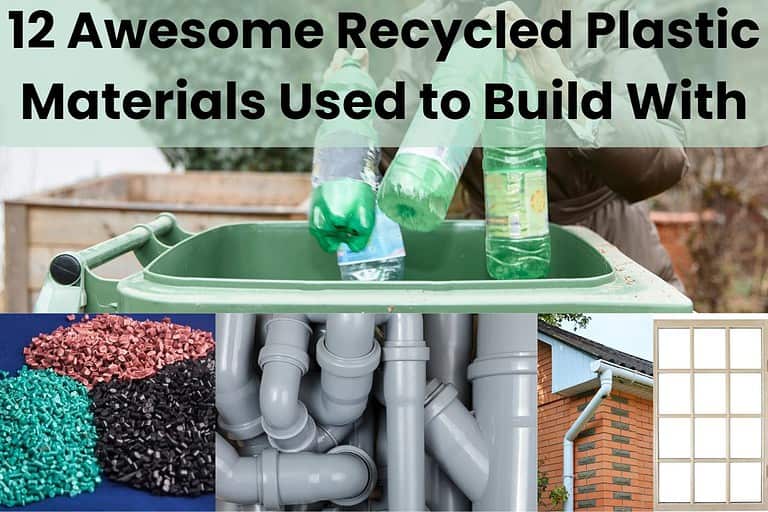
(151, 70)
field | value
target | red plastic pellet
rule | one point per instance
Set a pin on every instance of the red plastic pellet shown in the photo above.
(115, 346)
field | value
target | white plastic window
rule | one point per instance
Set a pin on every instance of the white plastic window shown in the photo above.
(711, 415)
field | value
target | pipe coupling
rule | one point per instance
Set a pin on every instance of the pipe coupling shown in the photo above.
(283, 353)
(270, 487)
(242, 431)
(347, 367)
(279, 318)
(510, 363)
(405, 351)
(372, 474)
(438, 397)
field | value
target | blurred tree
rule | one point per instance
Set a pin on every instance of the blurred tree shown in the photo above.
(209, 68)
(580, 320)
(241, 159)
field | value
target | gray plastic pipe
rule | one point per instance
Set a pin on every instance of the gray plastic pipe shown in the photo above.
(347, 355)
(252, 447)
(330, 436)
(346, 476)
(455, 441)
(237, 384)
(504, 396)
(284, 360)
(491, 457)
(606, 372)
(405, 356)
(449, 337)
(364, 432)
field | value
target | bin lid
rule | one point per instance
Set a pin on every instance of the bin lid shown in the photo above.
(278, 267)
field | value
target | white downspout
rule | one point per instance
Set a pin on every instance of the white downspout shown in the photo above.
(606, 372)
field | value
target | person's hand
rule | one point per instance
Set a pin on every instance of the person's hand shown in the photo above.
(542, 63)
(360, 55)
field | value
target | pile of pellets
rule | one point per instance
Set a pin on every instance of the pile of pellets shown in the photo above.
(115, 347)
(157, 433)
(47, 438)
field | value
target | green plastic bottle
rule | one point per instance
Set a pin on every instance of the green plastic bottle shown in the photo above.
(345, 170)
(420, 184)
(517, 240)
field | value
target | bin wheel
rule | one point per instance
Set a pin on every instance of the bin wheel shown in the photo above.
(65, 269)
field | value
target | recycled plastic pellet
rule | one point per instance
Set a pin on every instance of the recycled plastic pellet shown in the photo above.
(47, 437)
(114, 346)
(157, 433)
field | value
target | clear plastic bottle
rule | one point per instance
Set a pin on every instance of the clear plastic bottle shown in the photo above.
(343, 214)
(515, 169)
(382, 260)
(345, 170)
(419, 186)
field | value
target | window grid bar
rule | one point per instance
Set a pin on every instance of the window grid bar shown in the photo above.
(692, 425)
(713, 459)
(711, 370)
(728, 413)
(710, 416)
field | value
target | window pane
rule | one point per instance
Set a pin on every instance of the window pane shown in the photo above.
(710, 438)
(674, 394)
(745, 349)
(745, 393)
(674, 438)
(709, 348)
(674, 349)
(746, 482)
(709, 486)
(709, 390)
(745, 438)
(674, 482)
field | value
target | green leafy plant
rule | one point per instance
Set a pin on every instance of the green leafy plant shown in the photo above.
(556, 497)
(557, 319)
(543, 483)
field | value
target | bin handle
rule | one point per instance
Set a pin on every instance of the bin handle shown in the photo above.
(66, 268)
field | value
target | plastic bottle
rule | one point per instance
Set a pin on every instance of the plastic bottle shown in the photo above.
(383, 259)
(343, 214)
(517, 241)
(420, 184)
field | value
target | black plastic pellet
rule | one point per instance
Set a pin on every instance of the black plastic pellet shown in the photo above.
(157, 433)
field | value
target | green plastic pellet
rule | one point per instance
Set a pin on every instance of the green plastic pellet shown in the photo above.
(47, 437)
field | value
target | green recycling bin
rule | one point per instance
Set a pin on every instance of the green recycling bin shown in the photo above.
(278, 267)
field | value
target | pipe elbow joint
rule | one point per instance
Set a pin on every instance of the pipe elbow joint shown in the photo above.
(355, 465)
(284, 418)
(280, 410)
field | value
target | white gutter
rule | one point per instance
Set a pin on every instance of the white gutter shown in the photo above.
(606, 372)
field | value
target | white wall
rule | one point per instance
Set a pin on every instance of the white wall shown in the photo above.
(27, 170)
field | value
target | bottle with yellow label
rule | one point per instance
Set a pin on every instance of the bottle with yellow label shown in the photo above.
(517, 241)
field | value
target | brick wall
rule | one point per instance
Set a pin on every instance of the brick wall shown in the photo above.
(614, 453)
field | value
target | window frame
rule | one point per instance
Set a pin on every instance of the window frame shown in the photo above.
(691, 325)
